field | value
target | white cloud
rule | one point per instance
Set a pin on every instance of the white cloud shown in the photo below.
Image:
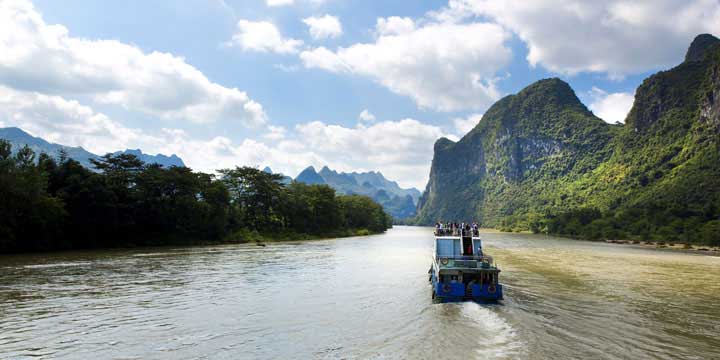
(367, 116)
(442, 66)
(323, 58)
(394, 25)
(324, 27)
(464, 125)
(68, 122)
(263, 36)
(402, 149)
(611, 107)
(35, 56)
(275, 133)
(616, 37)
(279, 2)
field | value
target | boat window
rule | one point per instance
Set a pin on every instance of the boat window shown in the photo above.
(445, 247)
(457, 247)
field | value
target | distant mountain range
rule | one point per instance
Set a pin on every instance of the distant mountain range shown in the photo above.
(398, 202)
(19, 138)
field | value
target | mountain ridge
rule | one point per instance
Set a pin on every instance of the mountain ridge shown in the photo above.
(18, 138)
(398, 202)
(540, 160)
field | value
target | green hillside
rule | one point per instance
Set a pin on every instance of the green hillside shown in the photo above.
(540, 160)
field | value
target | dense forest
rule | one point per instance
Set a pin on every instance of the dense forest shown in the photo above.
(53, 204)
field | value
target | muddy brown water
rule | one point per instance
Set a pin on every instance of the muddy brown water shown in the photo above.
(358, 298)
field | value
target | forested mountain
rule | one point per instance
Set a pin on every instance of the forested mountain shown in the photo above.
(398, 202)
(540, 160)
(19, 138)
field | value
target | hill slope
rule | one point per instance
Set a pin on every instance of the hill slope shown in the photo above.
(540, 160)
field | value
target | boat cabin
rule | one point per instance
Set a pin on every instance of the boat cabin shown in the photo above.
(461, 270)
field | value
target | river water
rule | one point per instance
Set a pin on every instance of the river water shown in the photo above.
(364, 297)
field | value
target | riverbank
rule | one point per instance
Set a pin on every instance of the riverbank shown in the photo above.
(656, 245)
(671, 246)
(239, 237)
(247, 236)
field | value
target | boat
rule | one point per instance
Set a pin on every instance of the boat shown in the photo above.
(461, 271)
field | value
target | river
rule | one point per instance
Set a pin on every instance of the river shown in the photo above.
(364, 297)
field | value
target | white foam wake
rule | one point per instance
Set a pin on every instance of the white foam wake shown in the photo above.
(499, 339)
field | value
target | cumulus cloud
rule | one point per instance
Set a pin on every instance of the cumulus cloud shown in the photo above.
(275, 133)
(616, 37)
(442, 66)
(401, 149)
(323, 27)
(464, 125)
(35, 56)
(394, 25)
(263, 36)
(68, 122)
(366, 115)
(611, 107)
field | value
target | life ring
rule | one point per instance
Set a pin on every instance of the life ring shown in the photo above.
(491, 289)
(444, 261)
(446, 288)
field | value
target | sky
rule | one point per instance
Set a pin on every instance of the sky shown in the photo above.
(355, 85)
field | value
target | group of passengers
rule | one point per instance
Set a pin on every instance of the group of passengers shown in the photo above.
(455, 229)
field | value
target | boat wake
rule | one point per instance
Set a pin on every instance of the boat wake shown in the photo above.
(498, 339)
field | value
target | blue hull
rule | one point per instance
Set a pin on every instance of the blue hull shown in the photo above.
(457, 292)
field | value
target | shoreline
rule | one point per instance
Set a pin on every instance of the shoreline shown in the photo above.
(669, 246)
(651, 245)
(260, 240)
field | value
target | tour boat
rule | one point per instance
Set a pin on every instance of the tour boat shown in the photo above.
(460, 271)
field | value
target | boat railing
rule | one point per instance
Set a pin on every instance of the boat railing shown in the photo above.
(457, 232)
(465, 261)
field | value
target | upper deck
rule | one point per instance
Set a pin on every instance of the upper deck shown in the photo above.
(461, 250)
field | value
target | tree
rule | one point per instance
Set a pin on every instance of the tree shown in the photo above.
(255, 195)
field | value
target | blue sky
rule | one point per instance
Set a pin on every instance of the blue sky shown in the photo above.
(224, 83)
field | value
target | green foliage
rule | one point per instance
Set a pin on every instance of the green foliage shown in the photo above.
(49, 205)
(540, 161)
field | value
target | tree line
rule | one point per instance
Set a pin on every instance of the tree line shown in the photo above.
(648, 222)
(49, 203)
